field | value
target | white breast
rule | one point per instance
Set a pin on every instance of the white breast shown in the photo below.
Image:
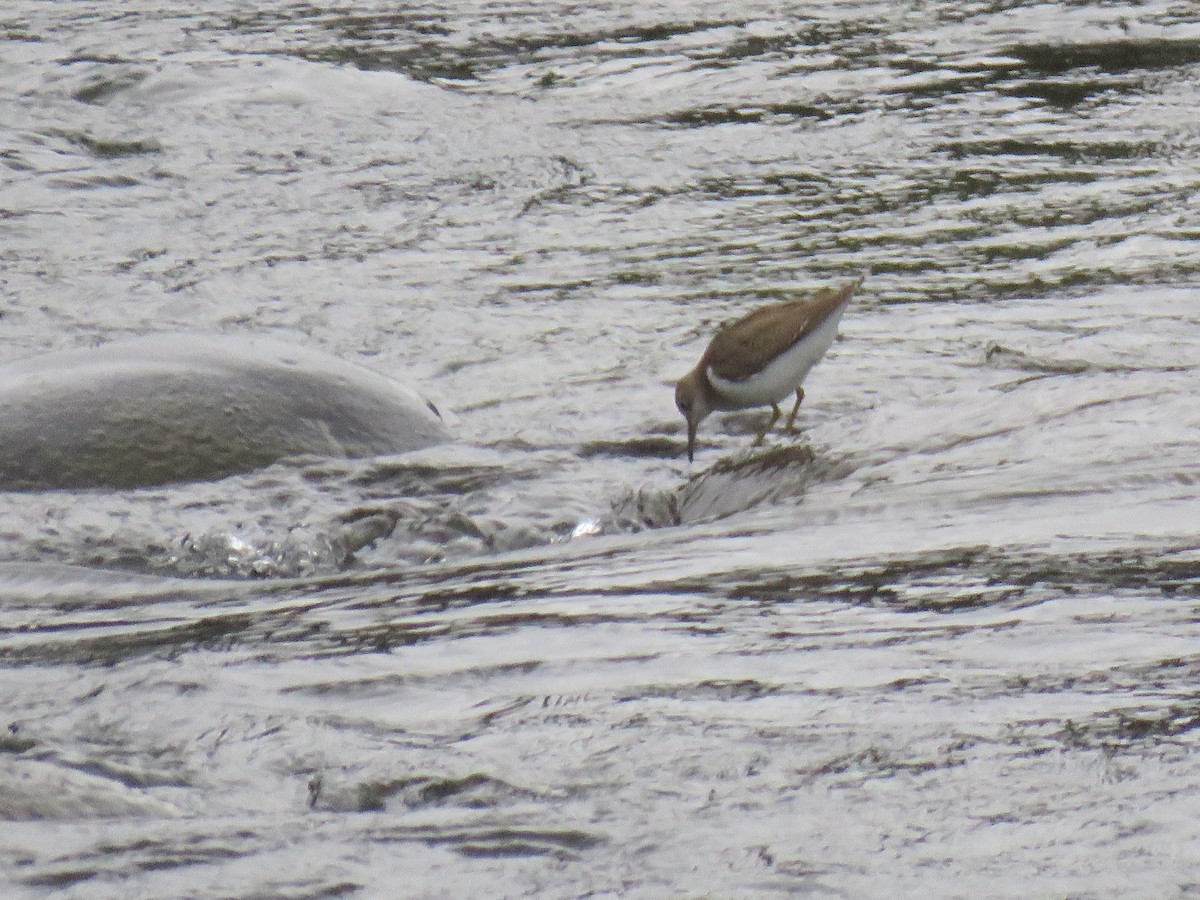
(781, 378)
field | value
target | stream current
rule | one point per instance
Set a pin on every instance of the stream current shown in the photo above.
(944, 642)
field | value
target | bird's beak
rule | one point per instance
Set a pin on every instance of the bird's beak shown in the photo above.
(692, 425)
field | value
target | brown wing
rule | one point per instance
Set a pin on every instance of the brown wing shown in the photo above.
(743, 348)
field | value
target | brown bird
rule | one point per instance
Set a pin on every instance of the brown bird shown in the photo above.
(762, 358)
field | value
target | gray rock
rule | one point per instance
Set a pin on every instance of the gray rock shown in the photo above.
(182, 407)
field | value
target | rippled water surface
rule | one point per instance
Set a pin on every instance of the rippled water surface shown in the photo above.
(944, 642)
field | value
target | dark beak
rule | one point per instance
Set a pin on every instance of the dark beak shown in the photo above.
(691, 425)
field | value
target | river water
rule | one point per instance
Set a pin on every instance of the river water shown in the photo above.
(943, 643)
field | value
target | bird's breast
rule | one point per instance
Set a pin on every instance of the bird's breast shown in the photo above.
(781, 376)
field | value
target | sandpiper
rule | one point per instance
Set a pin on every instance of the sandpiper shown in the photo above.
(762, 358)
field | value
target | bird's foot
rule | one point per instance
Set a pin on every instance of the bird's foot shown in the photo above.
(762, 435)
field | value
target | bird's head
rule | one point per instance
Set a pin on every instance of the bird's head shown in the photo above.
(692, 400)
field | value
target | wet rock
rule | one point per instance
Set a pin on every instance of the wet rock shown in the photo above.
(177, 408)
(37, 789)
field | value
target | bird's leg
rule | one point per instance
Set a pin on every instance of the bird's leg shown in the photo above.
(790, 425)
(775, 414)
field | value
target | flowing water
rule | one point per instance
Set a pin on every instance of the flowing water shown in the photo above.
(945, 642)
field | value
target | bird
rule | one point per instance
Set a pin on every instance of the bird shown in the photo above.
(761, 358)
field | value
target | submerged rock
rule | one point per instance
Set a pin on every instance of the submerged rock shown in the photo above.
(35, 789)
(181, 407)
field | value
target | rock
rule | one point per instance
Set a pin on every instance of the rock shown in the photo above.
(182, 407)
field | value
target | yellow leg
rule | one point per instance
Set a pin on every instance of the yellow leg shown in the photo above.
(790, 425)
(775, 414)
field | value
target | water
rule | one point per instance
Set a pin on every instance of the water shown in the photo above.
(942, 643)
